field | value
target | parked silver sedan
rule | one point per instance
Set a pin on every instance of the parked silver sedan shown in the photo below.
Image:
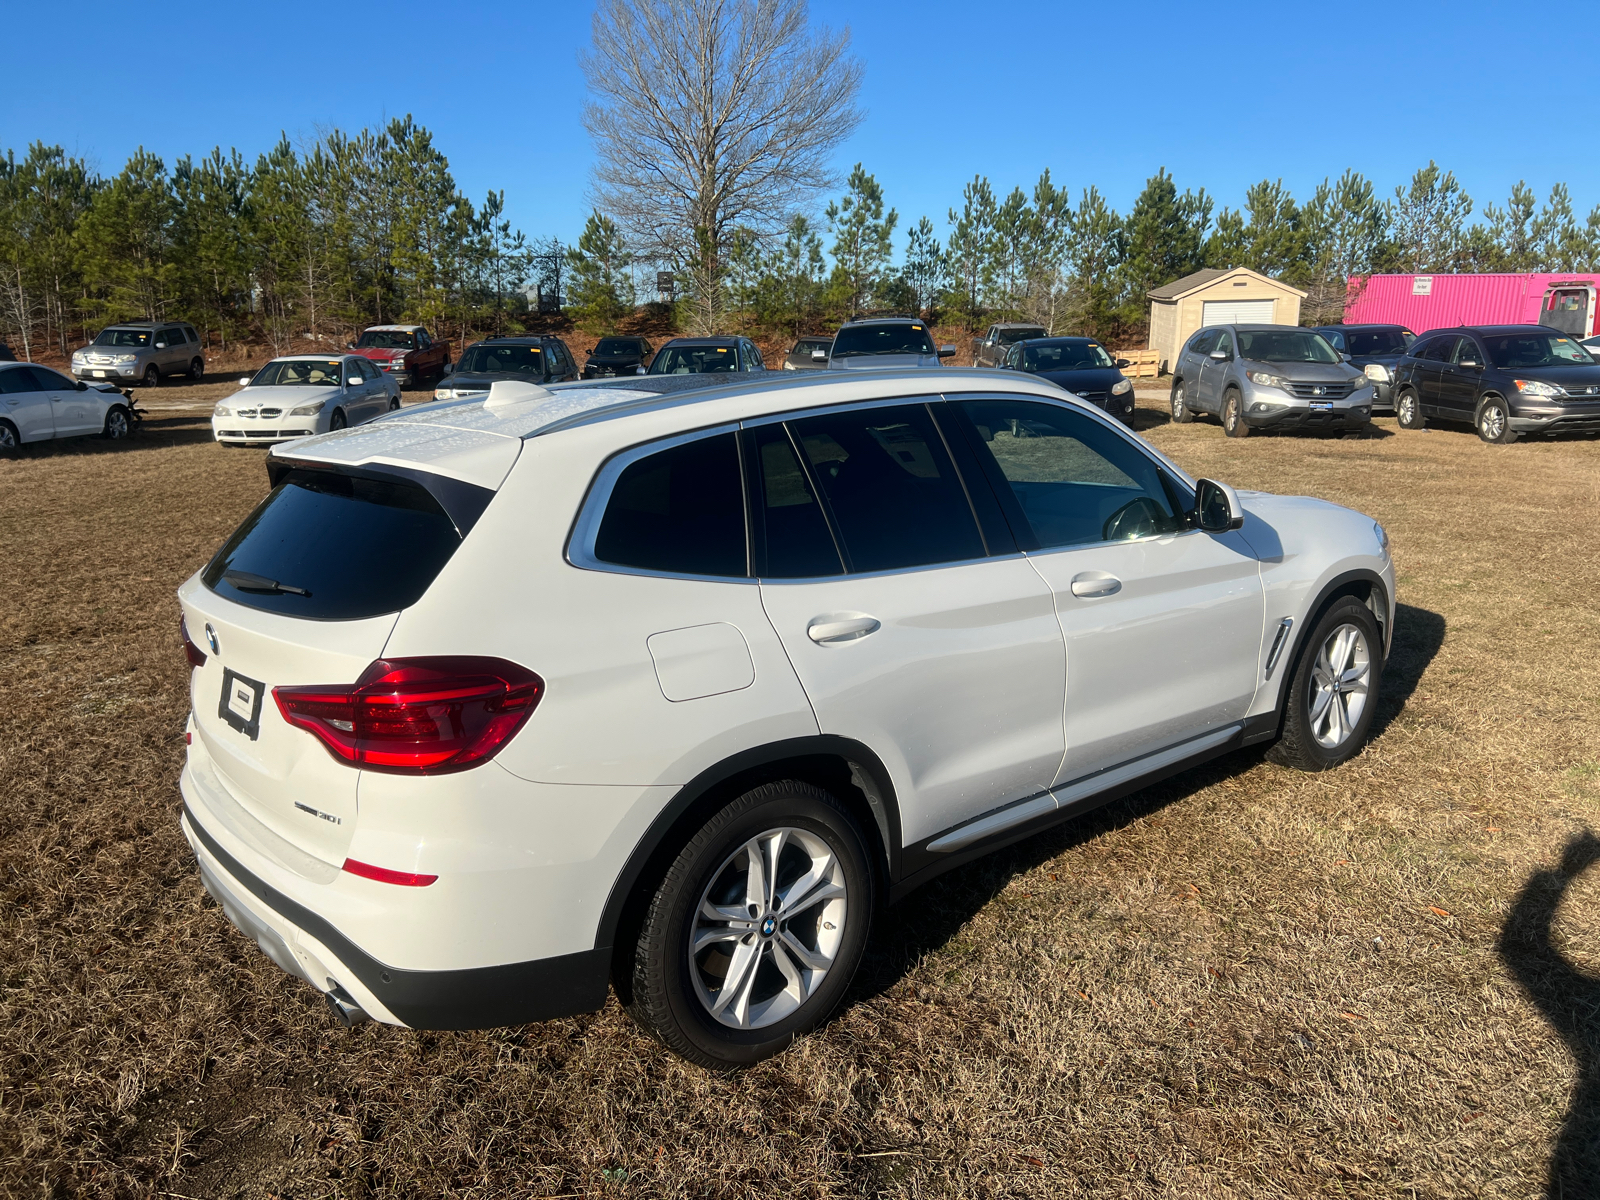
(37, 404)
(303, 394)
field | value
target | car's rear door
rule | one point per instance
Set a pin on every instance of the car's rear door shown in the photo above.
(911, 631)
(1163, 624)
(1429, 358)
(25, 404)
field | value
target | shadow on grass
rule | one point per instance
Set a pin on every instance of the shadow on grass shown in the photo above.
(935, 912)
(1570, 1001)
(152, 433)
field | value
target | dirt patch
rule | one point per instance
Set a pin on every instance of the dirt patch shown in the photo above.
(1245, 981)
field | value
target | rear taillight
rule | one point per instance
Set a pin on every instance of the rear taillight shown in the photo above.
(195, 655)
(417, 716)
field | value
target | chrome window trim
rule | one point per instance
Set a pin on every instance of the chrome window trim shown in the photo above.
(586, 527)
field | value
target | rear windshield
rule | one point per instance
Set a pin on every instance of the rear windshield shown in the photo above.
(1281, 345)
(1378, 341)
(1007, 336)
(882, 339)
(1513, 350)
(513, 358)
(333, 548)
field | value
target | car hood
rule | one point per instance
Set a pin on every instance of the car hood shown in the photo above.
(1302, 372)
(882, 362)
(379, 353)
(280, 397)
(1084, 379)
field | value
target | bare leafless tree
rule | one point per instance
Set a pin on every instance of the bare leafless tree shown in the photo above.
(710, 116)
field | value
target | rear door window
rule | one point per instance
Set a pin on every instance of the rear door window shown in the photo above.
(680, 511)
(1068, 480)
(894, 495)
(333, 547)
(792, 536)
(18, 380)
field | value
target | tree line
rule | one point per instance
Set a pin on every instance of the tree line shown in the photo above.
(302, 243)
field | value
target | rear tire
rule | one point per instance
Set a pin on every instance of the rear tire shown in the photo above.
(197, 371)
(1182, 414)
(1333, 693)
(1494, 422)
(786, 941)
(1408, 411)
(1233, 423)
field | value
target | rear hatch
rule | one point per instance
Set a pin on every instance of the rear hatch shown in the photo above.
(305, 592)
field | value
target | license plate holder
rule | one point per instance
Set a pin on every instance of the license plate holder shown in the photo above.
(99, 374)
(240, 705)
(1322, 405)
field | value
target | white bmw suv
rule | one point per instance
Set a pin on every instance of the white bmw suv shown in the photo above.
(669, 684)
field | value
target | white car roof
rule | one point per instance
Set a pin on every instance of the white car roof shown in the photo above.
(311, 357)
(478, 440)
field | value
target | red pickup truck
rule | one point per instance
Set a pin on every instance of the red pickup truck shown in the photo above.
(408, 352)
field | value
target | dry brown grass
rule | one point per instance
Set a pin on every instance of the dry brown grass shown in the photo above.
(1246, 981)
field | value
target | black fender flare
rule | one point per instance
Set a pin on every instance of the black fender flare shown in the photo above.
(694, 803)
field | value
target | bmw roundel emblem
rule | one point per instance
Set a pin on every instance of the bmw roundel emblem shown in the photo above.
(768, 927)
(211, 639)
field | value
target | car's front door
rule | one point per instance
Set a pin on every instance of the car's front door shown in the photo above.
(1163, 623)
(940, 652)
(369, 397)
(1213, 371)
(26, 405)
(75, 412)
(1459, 381)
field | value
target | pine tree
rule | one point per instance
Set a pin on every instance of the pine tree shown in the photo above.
(926, 270)
(863, 240)
(1346, 230)
(601, 288)
(124, 243)
(1094, 258)
(970, 248)
(1164, 238)
(1429, 220)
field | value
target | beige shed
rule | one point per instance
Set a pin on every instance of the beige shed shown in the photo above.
(1217, 297)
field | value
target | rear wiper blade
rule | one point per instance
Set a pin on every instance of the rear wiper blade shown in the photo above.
(245, 581)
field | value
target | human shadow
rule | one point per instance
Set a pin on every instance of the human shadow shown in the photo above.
(1570, 1001)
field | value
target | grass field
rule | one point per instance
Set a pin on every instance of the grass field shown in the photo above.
(1379, 981)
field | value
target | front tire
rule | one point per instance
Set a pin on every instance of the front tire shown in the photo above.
(338, 420)
(1233, 423)
(1494, 422)
(10, 439)
(1182, 414)
(1408, 411)
(117, 426)
(1334, 690)
(152, 376)
(394, 403)
(755, 932)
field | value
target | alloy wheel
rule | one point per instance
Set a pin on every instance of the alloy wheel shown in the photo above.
(116, 424)
(1492, 423)
(8, 437)
(1408, 410)
(152, 377)
(1340, 678)
(767, 928)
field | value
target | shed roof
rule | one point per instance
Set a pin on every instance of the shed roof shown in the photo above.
(1208, 275)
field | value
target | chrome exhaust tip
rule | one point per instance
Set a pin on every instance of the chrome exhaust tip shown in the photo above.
(345, 1010)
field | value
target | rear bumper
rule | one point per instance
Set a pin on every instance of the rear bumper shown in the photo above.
(311, 948)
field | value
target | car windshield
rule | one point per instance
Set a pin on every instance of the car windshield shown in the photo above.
(1007, 336)
(514, 359)
(298, 372)
(123, 337)
(694, 360)
(882, 339)
(1378, 341)
(386, 339)
(619, 346)
(1285, 345)
(1512, 350)
(806, 345)
(1064, 356)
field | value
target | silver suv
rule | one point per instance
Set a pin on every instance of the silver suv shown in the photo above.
(1269, 377)
(885, 343)
(141, 351)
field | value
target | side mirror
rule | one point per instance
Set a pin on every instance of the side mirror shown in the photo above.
(1472, 364)
(947, 351)
(244, 381)
(1216, 507)
(161, 345)
(1220, 355)
(819, 356)
(349, 345)
(1122, 362)
(82, 386)
(449, 368)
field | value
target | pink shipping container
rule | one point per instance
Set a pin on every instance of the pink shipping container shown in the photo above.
(1424, 302)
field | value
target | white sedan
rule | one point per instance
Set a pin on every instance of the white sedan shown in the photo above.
(303, 394)
(37, 403)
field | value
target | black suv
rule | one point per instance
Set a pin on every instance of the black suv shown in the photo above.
(707, 356)
(530, 359)
(617, 356)
(1505, 380)
(1377, 350)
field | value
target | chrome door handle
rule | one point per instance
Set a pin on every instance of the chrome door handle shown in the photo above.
(839, 631)
(1097, 583)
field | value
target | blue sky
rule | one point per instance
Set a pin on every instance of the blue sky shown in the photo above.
(1220, 95)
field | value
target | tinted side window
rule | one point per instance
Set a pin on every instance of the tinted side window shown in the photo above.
(1224, 343)
(893, 493)
(1334, 336)
(791, 531)
(1467, 351)
(17, 380)
(679, 510)
(1437, 349)
(1071, 480)
(172, 337)
(1203, 341)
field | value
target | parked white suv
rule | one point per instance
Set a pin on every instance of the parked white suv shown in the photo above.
(498, 702)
